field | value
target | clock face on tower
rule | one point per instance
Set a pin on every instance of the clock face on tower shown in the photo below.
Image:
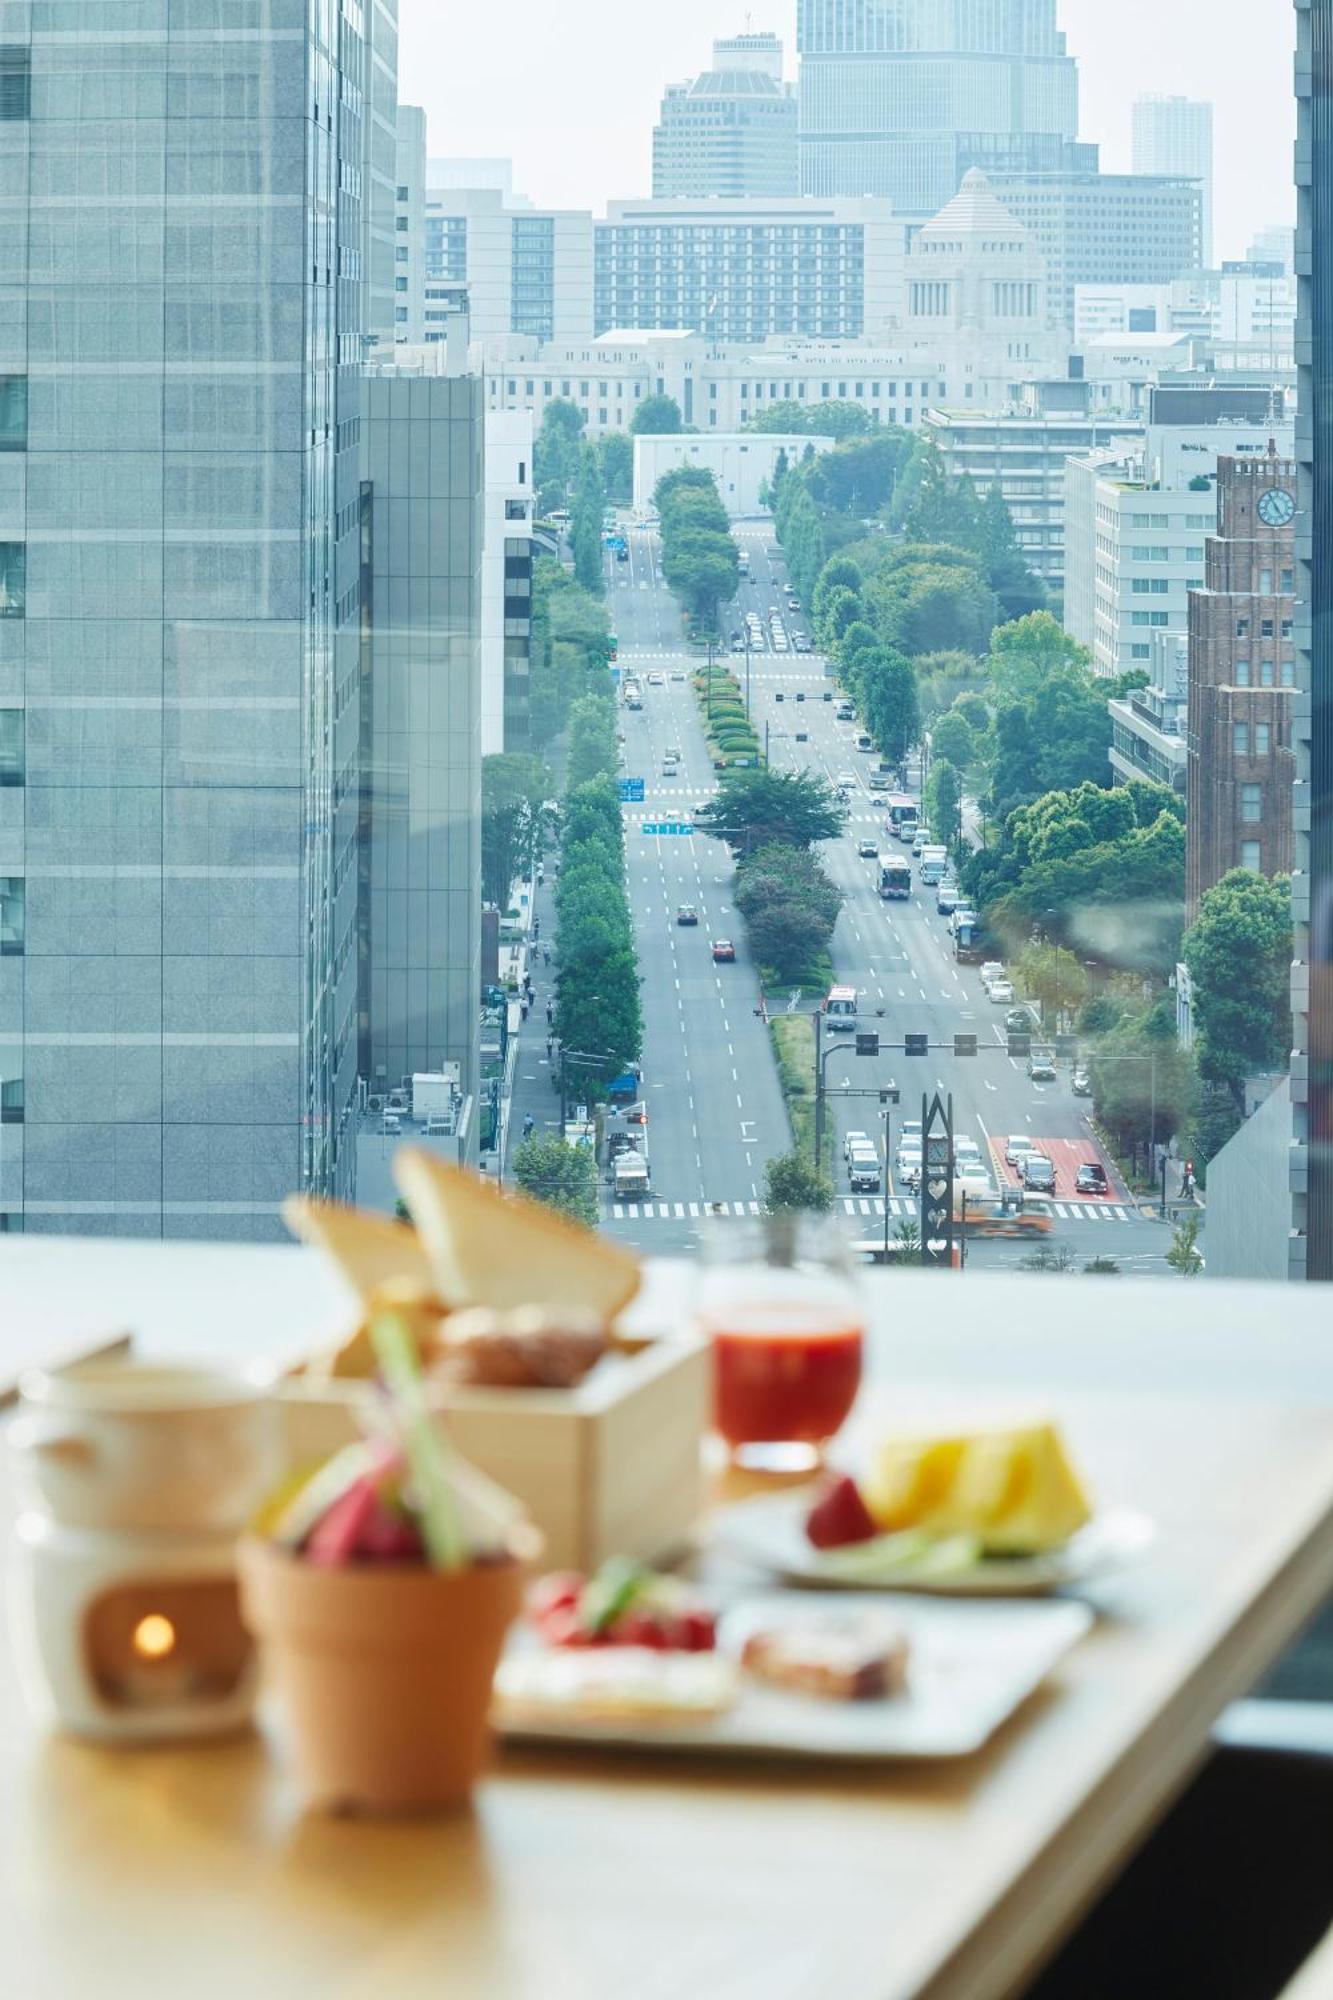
(1276, 507)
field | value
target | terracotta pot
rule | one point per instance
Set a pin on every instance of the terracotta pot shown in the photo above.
(384, 1670)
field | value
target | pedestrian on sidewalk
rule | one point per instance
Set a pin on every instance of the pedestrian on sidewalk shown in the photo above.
(550, 1013)
(529, 1126)
(550, 1048)
(536, 925)
(523, 1008)
(546, 954)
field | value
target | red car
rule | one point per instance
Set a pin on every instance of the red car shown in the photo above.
(724, 951)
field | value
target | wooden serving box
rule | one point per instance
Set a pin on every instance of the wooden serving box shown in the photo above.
(612, 1467)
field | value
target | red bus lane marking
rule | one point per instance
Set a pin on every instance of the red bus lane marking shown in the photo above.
(1066, 1156)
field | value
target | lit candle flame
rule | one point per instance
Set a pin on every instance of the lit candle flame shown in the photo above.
(154, 1636)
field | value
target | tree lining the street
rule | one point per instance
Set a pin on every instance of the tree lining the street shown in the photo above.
(586, 517)
(563, 1177)
(700, 559)
(760, 808)
(793, 1185)
(1239, 951)
(515, 790)
(570, 651)
(555, 455)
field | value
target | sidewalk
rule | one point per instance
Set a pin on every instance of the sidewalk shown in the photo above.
(535, 1077)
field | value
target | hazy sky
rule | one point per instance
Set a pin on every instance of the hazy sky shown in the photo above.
(570, 92)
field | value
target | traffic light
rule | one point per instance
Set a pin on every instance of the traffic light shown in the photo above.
(964, 1045)
(1020, 1045)
(916, 1045)
(867, 1042)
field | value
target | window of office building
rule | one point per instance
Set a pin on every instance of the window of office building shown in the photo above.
(1240, 738)
(1251, 856)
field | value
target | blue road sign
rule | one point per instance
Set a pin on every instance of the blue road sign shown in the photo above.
(631, 791)
(666, 826)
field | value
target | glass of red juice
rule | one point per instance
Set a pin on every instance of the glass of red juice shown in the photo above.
(778, 1303)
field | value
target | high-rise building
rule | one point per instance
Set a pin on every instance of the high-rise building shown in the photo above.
(526, 270)
(744, 270)
(419, 929)
(1312, 880)
(731, 131)
(506, 603)
(1174, 136)
(1097, 229)
(1274, 245)
(900, 101)
(1242, 679)
(180, 381)
(409, 242)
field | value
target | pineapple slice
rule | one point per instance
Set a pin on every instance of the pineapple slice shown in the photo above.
(1014, 1488)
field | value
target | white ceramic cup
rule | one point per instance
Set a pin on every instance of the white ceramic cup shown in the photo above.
(151, 1448)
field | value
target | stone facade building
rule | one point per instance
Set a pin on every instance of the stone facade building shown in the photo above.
(1242, 680)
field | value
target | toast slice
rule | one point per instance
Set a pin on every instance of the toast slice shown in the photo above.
(370, 1250)
(504, 1251)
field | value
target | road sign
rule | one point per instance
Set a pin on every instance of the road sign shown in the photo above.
(631, 791)
(666, 826)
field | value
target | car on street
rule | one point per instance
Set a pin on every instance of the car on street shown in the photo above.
(1091, 1179)
(656, 680)
(863, 1170)
(668, 767)
(1041, 1066)
(701, 807)
(1081, 1083)
(687, 914)
(908, 1169)
(965, 1148)
(992, 969)
(867, 850)
(678, 673)
(844, 712)
(738, 644)
(845, 781)
(851, 1141)
(800, 644)
(971, 1176)
(1001, 992)
(793, 601)
(1017, 1149)
(1018, 1021)
(946, 898)
(921, 838)
(1038, 1174)
(724, 951)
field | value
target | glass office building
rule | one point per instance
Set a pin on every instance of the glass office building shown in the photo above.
(1312, 818)
(902, 99)
(182, 324)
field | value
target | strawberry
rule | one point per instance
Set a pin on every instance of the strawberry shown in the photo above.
(563, 1626)
(695, 1631)
(641, 1628)
(561, 1591)
(388, 1535)
(840, 1516)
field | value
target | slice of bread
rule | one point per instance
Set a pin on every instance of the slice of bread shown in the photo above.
(370, 1250)
(489, 1249)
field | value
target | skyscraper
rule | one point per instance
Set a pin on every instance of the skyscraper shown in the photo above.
(1312, 816)
(731, 131)
(1174, 135)
(900, 100)
(179, 607)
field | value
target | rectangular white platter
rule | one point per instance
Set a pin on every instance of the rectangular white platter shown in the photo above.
(971, 1666)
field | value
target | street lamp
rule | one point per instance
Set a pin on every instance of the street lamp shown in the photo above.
(866, 1043)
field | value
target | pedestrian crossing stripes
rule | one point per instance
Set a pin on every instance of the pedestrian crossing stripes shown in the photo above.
(698, 1211)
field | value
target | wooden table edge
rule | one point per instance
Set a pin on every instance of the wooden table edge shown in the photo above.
(1018, 1934)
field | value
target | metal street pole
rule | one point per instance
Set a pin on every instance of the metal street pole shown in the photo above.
(819, 1091)
(888, 1119)
(747, 673)
(710, 677)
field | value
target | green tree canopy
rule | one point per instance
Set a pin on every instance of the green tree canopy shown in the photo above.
(887, 691)
(952, 739)
(657, 416)
(762, 808)
(793, 1186)
(1238, 951)
(615, 455)
(564, 1177)
(592, 740)
(514, 792)
(555, 455)
(943, 801)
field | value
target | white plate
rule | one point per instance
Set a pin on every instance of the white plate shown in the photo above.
(970, 1667)
(770, 1532)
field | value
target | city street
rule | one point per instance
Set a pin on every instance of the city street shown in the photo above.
(715, 1108)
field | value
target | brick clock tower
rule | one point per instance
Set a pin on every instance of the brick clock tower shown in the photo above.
(1242, 680)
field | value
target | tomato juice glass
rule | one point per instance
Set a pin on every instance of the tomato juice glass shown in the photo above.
(779, 1307)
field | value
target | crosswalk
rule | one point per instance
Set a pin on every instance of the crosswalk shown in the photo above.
(903, 1209)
